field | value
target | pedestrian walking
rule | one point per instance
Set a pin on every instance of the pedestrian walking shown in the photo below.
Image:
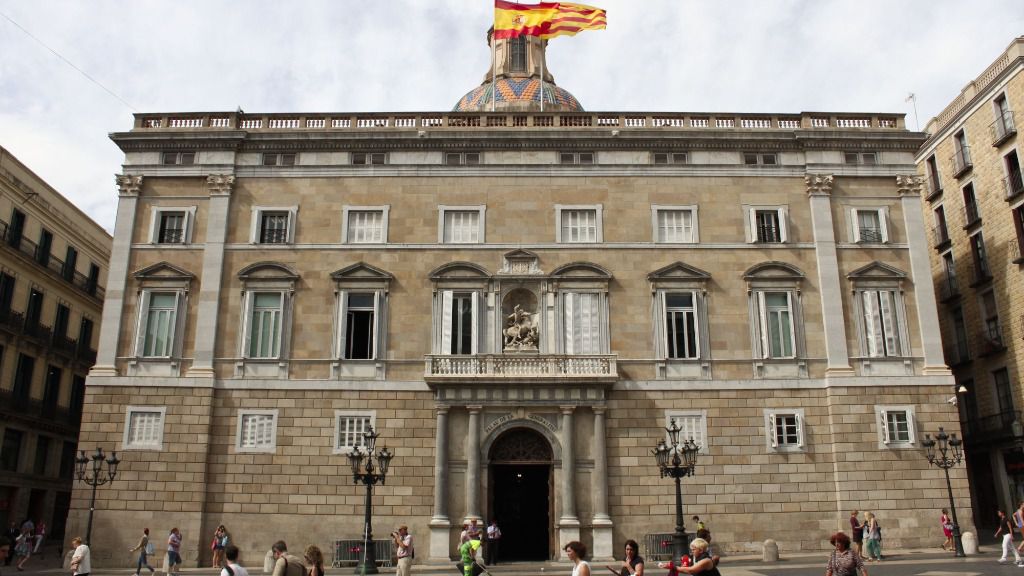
(1006, 529)
(1018, 523)
(81, 563)
(314, 560)
(633, 564)
(23, 548)
(40, 536)
(873, 537)
(857, 532)
(844, 561)
(231, 566)
(286, 564)
(700, 561)
(947, 530)
(173, 552)
(493, 543)
(577, 554)
(145, 549)
(404, 550)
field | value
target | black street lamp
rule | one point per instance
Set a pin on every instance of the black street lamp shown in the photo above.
(677, 461)
(95, 478)
(369, 476)
(949, 455)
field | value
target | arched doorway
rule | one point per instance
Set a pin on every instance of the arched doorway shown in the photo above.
(520, 494)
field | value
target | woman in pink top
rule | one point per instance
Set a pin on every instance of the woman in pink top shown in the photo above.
(947, 530)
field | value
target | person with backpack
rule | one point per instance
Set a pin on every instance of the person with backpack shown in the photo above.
(286, 564)
(146, 549)
(231, 566)
(173, 552)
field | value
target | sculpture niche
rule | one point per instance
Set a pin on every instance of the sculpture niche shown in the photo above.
(521, 330)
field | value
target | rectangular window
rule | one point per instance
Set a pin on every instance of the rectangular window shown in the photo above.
(667, 158)
(1014, 181)
(949, 287)
(279, 159)
(360, 325)
(67, 460)
(576, 158)
(42, 455)
(881, 323)
(961, 350)
(895, 425)
(517, 54)
(1018, 225)
(869, 226)
(581, 322)
(44, 247)
(759, 159)
(768, 225)
(273, 227)
(579, 226)
(265, 325)
(60, 321)
(6, 293)
(962, 154)
(785, 429)
(676, 226)
(144, 428)
(369, 158)
(23, 377)
(257, 431)
(693, 425)
(462, 158)
(941, 229)
(70, 261)
(10, 451)
(171, 228)
(459, 322)
(51, 389)
(860, 158)
(34, 310)
(365, 227)
(158, 324)
(775, 310)
(981, 270)
(1003, 126)
(179, 158)
(349, 429)
(971, 213)
(461, 227)
(934, 184)
(681, 336)
(1004, 391)
(990, 316)
(93, 280)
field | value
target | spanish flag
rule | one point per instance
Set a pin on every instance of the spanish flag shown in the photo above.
(546, 20)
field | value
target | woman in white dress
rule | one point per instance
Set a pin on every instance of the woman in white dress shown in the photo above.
(576, 553)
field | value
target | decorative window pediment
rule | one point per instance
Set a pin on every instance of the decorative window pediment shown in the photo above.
(774, 271)
(877, 271)
(362, 273)
(268, 274)
(459, 271)
(679, 273)
(164, 272)
(582, 270)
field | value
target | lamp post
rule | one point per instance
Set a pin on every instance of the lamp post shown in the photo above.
(677, 460)
(364, 470)
(949, 455)
(95, 478)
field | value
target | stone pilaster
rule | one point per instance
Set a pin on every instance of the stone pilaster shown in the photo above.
(129, 188)
(569, 523)
(473, 465)
(819, 191)
(440, 524)
(909, 188)
(219, 187)
(602, 524)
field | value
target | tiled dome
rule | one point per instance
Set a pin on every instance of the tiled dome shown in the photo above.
(517, 94)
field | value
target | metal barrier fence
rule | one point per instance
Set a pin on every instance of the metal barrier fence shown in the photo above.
(658, 547)
(350, 552)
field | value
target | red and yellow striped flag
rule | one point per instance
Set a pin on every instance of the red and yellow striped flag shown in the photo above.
(546, 20)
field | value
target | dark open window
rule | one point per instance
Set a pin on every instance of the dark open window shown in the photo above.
(70, 260)
(462, 324)
(17, 228)
(42, 455)
(517, 54)
(45, 245)
(51, 393)
(359, 326)
(34, 311)
(23, 377)
(10, 451)
(6, 292)
(60, 322)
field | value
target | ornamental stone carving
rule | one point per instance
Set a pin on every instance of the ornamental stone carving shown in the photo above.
(909, 184)
(521, 331)
(819, 184)
(128, 185)
(220, 184)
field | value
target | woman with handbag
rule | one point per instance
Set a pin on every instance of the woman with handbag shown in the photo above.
(220, 541)
(947, 530)
(145, 548)
(843, 561)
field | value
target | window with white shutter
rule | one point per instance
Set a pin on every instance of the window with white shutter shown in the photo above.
(693, 424)
(159, 324)
(365, 224)
(273, 225)
(461, 224)
(266, 311)
(581, 323)
(578, 224)
(349, 427)
(257, 431)
(775, 324)
(144, 428)
(460, 314)
(682, 338)
(784, 429)
(895, 426)
(675, 224)
(767, 224)
(869, 225)
(881, 323)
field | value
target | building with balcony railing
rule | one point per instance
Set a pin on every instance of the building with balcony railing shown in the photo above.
(518, 300)
(983, 177)
(53, 261)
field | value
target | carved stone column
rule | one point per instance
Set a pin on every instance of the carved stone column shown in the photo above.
(117, 275)
(819, 191)
(569, 523)
(603, 547)
(440, 525)
(909, 189)
(473, 465)
(219, 187)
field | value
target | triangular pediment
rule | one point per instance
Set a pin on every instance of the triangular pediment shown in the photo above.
(520, 253)
(773, 271)
(361, 271)
(679, 271)
(163, 271)
(268, 271)
(459, 270)
(877, 270)
(581, 270)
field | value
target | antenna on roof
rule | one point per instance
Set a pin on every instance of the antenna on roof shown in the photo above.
(911, 97)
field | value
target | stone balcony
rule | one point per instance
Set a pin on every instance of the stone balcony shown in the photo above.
(553, 368)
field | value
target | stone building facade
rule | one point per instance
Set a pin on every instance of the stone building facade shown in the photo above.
(519, 302)
(53, 261)
(974, 201)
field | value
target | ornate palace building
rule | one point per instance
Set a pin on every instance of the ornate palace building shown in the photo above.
(974, 200)
(53, 261)
(518, 301)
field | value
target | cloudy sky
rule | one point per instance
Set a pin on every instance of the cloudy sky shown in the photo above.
(422, 55)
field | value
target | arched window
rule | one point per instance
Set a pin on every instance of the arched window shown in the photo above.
(517, 54)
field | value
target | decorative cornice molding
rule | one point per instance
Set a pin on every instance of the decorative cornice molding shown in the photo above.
(909, 184)
(128, 185)
(819, 184)
(220, 184)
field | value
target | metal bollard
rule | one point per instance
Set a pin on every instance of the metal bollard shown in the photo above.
(770, 552)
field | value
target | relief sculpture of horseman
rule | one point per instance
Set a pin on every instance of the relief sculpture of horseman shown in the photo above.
(521, 330)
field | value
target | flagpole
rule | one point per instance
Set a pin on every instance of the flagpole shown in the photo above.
(494, 69)
(542, 58)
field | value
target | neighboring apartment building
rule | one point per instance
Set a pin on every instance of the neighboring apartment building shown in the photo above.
(519, 302)
(53, 261)
(975, 203)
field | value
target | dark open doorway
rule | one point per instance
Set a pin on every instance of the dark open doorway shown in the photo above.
(520, 495)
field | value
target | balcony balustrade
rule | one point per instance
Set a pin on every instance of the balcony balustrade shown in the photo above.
(15, 323)
(49, 262)
(552, 367)
(961, 161)
(1013, 185)
(1003, 128)
(992, 428)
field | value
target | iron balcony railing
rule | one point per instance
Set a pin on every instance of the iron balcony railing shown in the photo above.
(1003, 128)
(871, 235)
(51, 263)
(991, 428)
(933, 185)
(961, 161)
(940, 235)
(16, 323)
(171, 236)
(1014, 185)
(971, 214)
(25, 406)
(948, 288)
